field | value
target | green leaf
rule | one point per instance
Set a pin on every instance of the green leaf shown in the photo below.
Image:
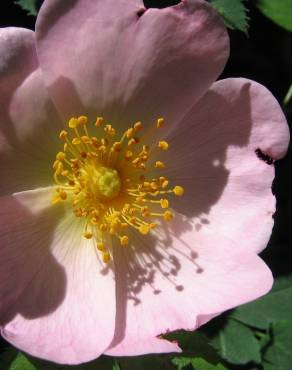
(237, 344)
(28, 5)
(116, 366)
(21, 363)
(288, 96)
(278, 11)
(233, 12)
(196, 363)
(197, 351)
(201, 364)
(181, 362)
(195, 344)
(273, 307)
(278, 356)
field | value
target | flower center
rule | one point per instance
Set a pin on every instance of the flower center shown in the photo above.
(106, 181)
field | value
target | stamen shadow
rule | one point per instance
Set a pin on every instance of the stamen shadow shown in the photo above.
(204, 179)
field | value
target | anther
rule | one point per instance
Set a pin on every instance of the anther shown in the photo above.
(103, 227)
(106, 257)
(73, 122)
(128, 155)
(61, 156)
(99, 122)
(144, 229)
(160, 122)
(87, 235)
(82, 120)
(135, 161)
(63, 134)
(164, 184)
(164, 203)
(76, 141)
(159, 165)
(168, 216)
(85, 139)
(124, 240)
(132, 141)
(163, 145)
(178, 191)
(65, 173)
(130, 133)
(100, 246)
(117, 146)
(138, 126)
(110, 130)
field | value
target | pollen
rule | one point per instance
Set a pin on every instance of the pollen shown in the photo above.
(108, 180)
(178, 190)
(163, 145)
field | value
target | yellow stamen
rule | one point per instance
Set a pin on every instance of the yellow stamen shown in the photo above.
(100, 247)
(82, 120)
(144, 229)
(164, 203)
(163, 145)
(104, 182)
(138, 126)
(61, 156)
(87, 235)
(63, 134)
(106, 257)
(124, 240)
(160, 122)
(73, 122)
(168, 216)
(178, 190)
(159, 165)
(99, 122)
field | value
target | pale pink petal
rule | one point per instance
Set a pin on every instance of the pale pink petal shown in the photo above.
(66, 311)
(28, 122)
(213, 155)
(25, 237)
(170, 280)
(104, 57)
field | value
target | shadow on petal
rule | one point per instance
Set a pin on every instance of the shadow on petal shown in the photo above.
(198, 149)
(28, 133)
(33, 283)
(196, 161)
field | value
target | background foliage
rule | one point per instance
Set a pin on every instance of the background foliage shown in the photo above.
(258, 335)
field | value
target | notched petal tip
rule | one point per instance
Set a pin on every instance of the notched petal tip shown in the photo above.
(141, 12)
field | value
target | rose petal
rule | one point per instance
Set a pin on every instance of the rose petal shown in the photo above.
(101, 57)
(25, 236)
(66, 312)
(213, 156)
(28, 122)
(169, 283)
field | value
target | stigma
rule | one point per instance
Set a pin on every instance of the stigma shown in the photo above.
(108, 179)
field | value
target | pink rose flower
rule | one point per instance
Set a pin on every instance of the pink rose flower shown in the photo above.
(69, 299)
